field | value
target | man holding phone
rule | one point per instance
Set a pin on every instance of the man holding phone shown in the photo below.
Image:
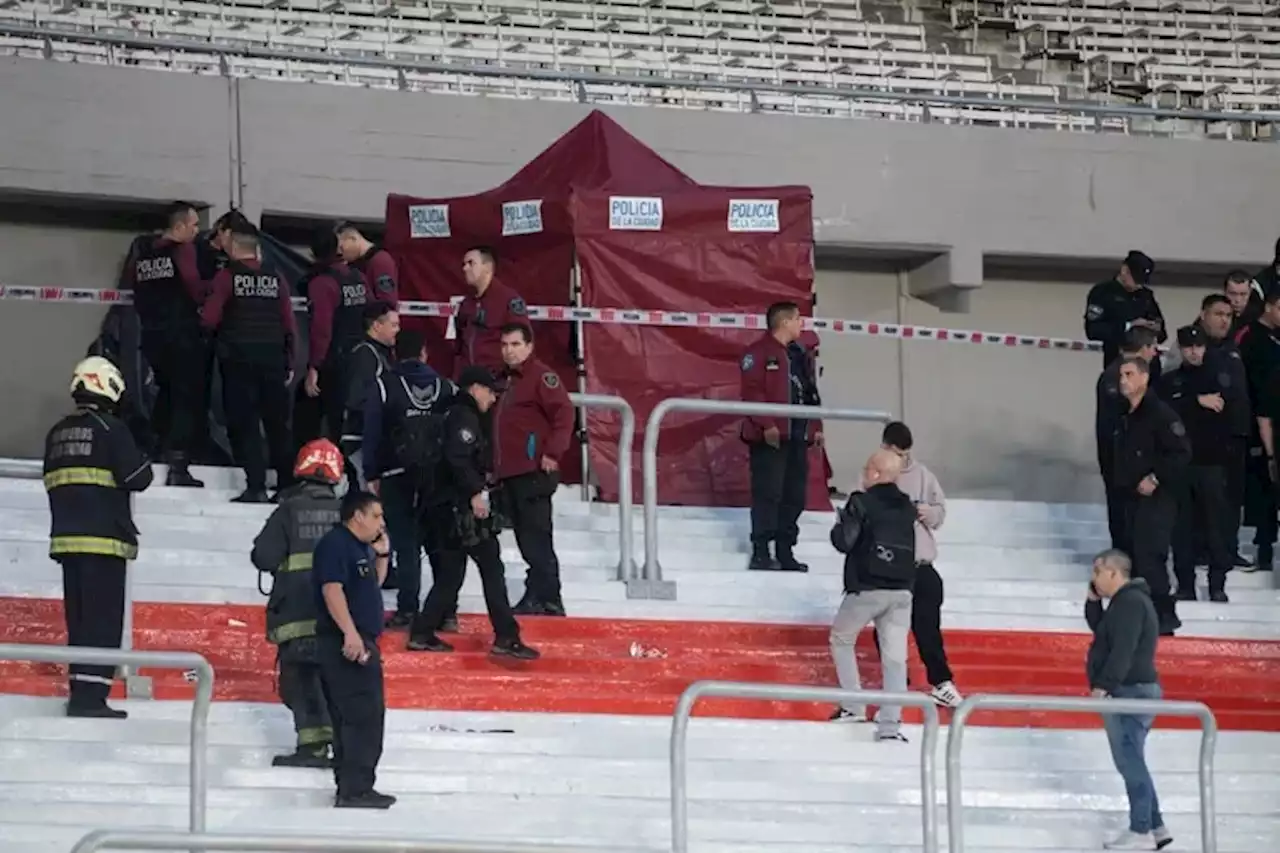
(348, 567)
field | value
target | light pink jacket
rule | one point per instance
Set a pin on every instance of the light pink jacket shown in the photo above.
(918, 483)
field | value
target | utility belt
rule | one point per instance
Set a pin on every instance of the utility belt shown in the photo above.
(469, 531)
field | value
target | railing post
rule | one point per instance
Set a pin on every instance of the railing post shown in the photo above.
(651, 583)
(1106, 706)
(797, 693)
(626, 440)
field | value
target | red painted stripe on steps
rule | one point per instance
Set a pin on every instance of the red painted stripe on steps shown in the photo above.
(588, 665)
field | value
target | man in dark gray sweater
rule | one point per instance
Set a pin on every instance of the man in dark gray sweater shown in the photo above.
(1121, 663)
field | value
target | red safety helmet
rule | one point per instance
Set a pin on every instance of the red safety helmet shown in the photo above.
(320, 461)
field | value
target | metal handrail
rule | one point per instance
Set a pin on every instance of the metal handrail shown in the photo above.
(186, 661)
(1154, 707)
(653, 586)
(798, 693)
(330, 55)
(626, 440)
(105, 839)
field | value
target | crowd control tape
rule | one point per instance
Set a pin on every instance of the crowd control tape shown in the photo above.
(636, 317)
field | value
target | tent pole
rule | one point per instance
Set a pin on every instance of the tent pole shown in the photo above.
(580, 364)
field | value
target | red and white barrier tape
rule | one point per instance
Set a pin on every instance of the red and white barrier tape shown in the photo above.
(635, 317)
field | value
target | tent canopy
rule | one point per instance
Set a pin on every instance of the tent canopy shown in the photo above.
(644, 235)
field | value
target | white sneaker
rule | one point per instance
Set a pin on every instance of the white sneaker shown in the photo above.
(1163, 837)
(1129, 840)
(946, 694)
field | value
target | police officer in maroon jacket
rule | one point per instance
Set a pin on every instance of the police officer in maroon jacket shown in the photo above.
(250, 309)
(375, 265)
(482, 314)
(167, 290)
(533, 427)
(776, 369)
(336, 299)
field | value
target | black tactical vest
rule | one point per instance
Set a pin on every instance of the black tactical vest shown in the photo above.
(291, 610)
(162, 302)
(348, 317)
(252, 318)
(90, 512)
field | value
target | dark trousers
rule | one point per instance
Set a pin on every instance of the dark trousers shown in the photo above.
(93, 604)
(1260, 502)
(402, 506)
(358, 710)
(1151, 521)
(779, 485)
(301, 689)
(1205, 514)
(322, 416)
(450, 570)
(526, 501)
(181, 367)
(926, 623)
(257, 400)
(1117, 524)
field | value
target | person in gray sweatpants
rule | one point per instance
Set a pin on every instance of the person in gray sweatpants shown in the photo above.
(876, 532)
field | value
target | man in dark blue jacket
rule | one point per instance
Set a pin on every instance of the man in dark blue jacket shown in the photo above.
(1121, 663)
(401, 401)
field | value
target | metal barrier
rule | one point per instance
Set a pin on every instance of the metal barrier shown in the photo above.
(158, 840)
(626, 441)
(796, 693)
(651, 584)
(1157, 707)
(186, 661)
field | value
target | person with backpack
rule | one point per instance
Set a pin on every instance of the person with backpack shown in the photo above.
(876, 532)
(307, 511)
(402, 442)
(366, 363)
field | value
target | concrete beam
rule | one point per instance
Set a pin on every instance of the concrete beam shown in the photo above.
(946, 280)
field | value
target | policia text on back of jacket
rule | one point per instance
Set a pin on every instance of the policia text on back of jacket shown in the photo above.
(91, 465)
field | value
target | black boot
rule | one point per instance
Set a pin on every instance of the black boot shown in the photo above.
(179, 475)
(96, 712)
(528, 605)
(787, 561)
(367, 800)
(252, 496)
(1263, 562)
(427, 643)
(1218, 589)
(761, 560)
(316, 758)
(449, 625)
(514, 649)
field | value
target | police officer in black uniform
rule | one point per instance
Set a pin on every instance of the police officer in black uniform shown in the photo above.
(1151, 459)
(461, 523)
(1203, 394)
(1110, 407)
(367, 361)
(91, 465)
(1121, 303)
(1259, 346)
(307, 511)
(250, 309)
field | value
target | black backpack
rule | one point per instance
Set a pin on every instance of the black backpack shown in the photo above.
(417, 430)
(885, 547)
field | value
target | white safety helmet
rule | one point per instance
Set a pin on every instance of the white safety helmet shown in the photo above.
(99, 377)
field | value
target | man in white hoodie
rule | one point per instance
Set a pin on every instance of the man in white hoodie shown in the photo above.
(918, 483)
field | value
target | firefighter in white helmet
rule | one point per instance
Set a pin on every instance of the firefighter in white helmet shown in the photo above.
(91, 464)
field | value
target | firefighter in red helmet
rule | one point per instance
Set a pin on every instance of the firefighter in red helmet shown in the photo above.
(283, 549)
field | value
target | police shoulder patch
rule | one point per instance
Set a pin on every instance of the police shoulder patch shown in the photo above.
(517, 307)
(1177, 428)
(551, 379)
(748, 361)
(1235, 354)
(386, 285)
(467, 436)
(1094, 311)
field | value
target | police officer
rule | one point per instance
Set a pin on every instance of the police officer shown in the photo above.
(775, 371)
(336, 298)
(375, 265)
(1259, 345)
(462, 525)
(367, 361)
(167, 290)
(283, 549)
(1151, 459)
(402, 445)
(484, 311)
(250, 309)
(1110, 407)
(91, 465)
(533, 425)
(1114, 306)
(348, 567)
(1203, 395)
(1245, 296)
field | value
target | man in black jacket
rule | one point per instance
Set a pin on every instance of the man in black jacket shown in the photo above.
(1121, 663)
(1109, 409)
(460, 524)
(1259, 346)
(1122, 303)
(1152, 455)
(876, 533)
(1204, 394)
(366, 362)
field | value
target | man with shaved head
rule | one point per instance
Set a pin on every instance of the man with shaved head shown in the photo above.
(876, 532)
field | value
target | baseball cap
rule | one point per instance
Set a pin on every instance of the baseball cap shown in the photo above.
(1140, 266)
(478, 375)
(1191, 336)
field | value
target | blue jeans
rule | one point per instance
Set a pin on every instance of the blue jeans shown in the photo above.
(1127, 735)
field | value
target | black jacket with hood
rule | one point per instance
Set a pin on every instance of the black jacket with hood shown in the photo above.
(1125, 634)
(876, 532)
